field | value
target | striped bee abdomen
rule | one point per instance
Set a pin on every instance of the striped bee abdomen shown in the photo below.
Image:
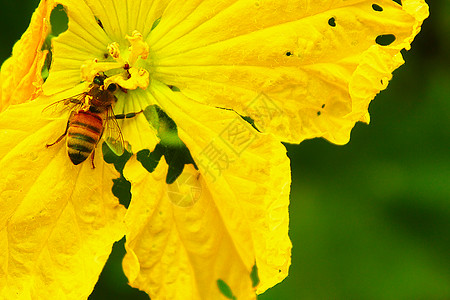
(85, 130)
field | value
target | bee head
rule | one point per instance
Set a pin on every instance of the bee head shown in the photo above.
(99, 79)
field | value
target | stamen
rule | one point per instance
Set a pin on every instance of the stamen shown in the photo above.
(122, 70)
(92, 68)
(114, 50)
(139, 78)
(138, 47)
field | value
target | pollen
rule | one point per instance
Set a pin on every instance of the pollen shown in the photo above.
(125, 70)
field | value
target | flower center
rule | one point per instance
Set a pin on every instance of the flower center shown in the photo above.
(124, 70)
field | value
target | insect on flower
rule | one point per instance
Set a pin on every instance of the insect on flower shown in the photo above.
(91, 116)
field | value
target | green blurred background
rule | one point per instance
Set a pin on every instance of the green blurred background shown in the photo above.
(371, 219)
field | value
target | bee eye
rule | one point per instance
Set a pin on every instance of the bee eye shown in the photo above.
(112, 87)
(98, 80)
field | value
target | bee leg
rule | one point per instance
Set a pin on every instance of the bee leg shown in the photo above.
(92, 159)
(128, 116)
(61, 137)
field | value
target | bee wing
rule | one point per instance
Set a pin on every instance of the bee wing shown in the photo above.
(112, 133)
(58, 108)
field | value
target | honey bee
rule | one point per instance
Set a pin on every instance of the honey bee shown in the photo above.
(91, 117)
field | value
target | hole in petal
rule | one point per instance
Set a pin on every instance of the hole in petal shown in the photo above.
(174, 88)
(289, 53)
(171, 146)
(150, 160)
(332, 22)
(254, 276)
(376, 7)
(225, 289)
(59, 20)
(385, 39)
(99, 22)
(156, 23)
(398, 1)
(122, 190)
(250, 121)
(121, 187)
(59, 23)
(319, 113)
(384, 81)
(47, 64)
(111, 158)
(323, 105)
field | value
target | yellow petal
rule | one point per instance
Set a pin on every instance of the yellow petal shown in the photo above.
(20, 77)
(246, 177)
(317, 63)
(179, 252)
(84, 41)
(120, 18)
(58, 221)
(136, 131)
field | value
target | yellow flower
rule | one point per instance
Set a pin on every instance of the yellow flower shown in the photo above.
(207, 92)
